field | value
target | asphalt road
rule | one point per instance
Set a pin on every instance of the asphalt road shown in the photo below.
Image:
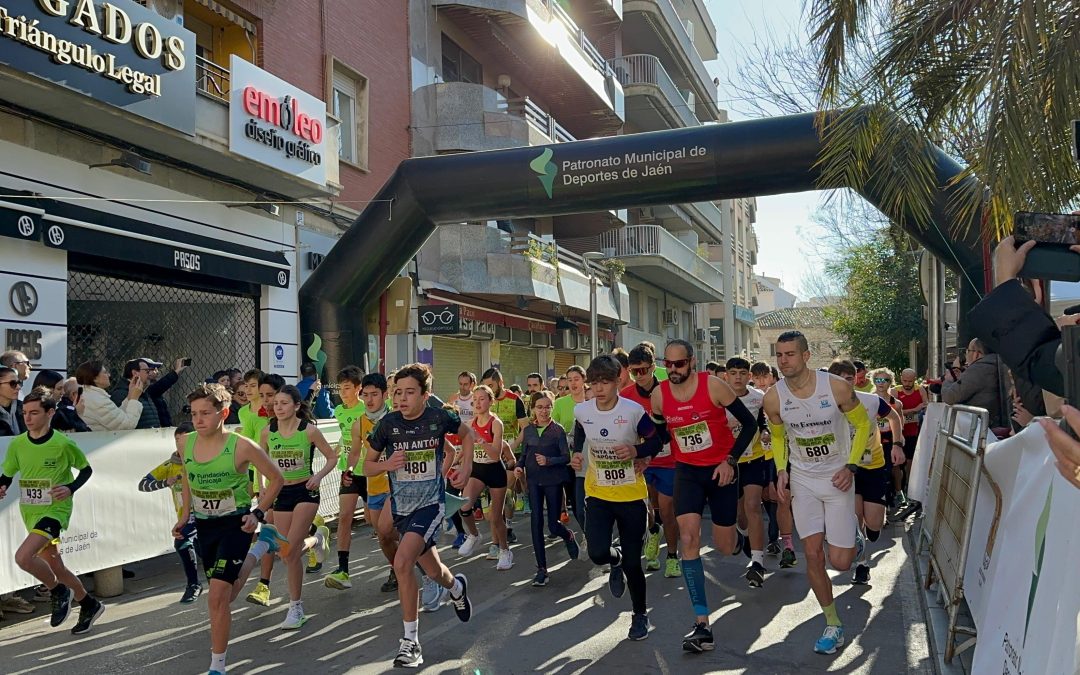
(571, 626)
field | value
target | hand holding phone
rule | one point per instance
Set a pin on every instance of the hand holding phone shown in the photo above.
(1056, 251)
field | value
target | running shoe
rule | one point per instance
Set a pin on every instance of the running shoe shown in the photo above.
(698, 640)
(572, 548)
(295, 618)
(616, 581)
(88, 614)
(506, 560)
(832, 638)
(41, 594)
(462, 605)
(16, 605)
(192, 592)
(652, 546)
(652, 565)
(322, 544)
(408, 655)
(519, 503)
(511, 538)
(639, 627)
(672, 568)
(788, 559)
(277, 542)
(860, 545)
(861, 577)
(260, 596)
(313, 564)
(773, 548)
(493, 553)
(61, 605)
(390, 585)
(459, 540)
(755, 575)
(540, 579)
(215, 672)
(468, 547)
(432, 596)
(338, 580)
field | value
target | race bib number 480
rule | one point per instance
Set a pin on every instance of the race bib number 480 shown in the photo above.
(35, 492)
(213, 502)
(816, 449)
(694, 438)
(419, 466)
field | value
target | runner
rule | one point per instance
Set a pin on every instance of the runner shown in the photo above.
(754, 473)
(781, 525)
(348, 413)
(659, 475)
(544, 456)
(659, 372)
(913, 398)
(487, 472)
(462, 398)
(883, 380)
(217, 489)
(872, 479)
(811, 416)
(563, 413)
(413, 435)
(693, 406)
(510, 410)
(621, 438)
(44, 459)
(169, 474)
(291, 439)
(624, 362)
(252, 425)
(862, 382)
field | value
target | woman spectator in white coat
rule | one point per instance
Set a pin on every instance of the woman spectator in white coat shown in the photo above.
(100, 413)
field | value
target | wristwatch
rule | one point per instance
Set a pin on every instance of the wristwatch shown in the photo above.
(853, 468)
(732, 461)
(259, 515)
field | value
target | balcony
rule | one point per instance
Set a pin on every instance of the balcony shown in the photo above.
(654, 27)
(521, 269)
(654, 102)
(538, 43)
(656, 255)
(599, 14)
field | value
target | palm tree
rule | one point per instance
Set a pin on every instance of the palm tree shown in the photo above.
(995, 82)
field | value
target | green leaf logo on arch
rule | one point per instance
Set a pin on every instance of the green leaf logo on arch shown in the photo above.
(545, 170)
(316, 354)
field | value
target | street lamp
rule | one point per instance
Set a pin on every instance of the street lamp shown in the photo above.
(593, 328)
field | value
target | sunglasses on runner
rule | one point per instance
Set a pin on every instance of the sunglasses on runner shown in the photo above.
(638, 371)
(881, 380)
(677, 363)
(13, 383)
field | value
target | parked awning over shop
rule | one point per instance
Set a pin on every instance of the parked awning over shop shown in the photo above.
(19, 221)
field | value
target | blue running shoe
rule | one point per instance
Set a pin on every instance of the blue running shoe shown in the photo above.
(277, 542)
(832, 638)
(459, 540)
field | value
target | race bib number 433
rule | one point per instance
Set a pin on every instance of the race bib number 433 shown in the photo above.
(694, 438)
(419, 466)
(816, 449)
(35, 492)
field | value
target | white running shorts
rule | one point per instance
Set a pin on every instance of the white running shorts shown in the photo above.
(819, 507)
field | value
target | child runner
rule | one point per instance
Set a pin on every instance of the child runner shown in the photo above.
(251, 427)
(347, 414)
(291, 439)
(169, 474)
(487, 471)
(44, 459)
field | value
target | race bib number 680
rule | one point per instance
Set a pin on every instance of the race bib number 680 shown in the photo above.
(817, 448)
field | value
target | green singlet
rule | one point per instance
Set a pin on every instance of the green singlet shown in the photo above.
(293, 454)
(217, 488)
(42, 464)
(346, 417)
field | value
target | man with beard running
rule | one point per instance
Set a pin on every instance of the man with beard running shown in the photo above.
(914, 398)
(695, 407)
(811, 416)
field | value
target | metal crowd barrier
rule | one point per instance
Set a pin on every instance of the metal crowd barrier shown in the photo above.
(956, 470)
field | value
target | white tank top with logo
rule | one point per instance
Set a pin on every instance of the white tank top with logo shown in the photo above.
(818, 433)
(465, 409)
(753, 399)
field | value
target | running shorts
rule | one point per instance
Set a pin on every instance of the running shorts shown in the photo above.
(425, 522)
(377, 502)
(223, 546)
(291, 495)
(819, 507)
(48, 527)
(358, 487)
(754, 472)
(873, 484)
(491, 475)
(695, 487)
(909, 446)
(662, 478)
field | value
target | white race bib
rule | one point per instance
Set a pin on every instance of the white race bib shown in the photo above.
(910, 417)
(694, 438)
(287, 459)
(610, 470)
(213, 502)
(419, 466)
(35, 492)
(816, 449)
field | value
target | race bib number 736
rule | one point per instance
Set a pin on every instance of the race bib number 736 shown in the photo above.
(694, 437)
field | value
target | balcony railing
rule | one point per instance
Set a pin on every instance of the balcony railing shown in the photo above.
(653, 240)
(548, 251)
(211, 79)
(539, 119)
(578, 34)
(639, 69)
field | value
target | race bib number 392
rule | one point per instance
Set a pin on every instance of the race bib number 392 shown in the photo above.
(816, 449)
(35, 492)
(419, 466)
(694, 438)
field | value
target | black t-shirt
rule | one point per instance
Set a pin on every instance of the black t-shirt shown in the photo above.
(420, 482)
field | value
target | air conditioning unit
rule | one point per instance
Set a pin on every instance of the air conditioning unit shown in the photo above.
(701, 335)
(671, 317)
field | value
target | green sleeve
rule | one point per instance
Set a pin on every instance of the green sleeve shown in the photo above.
(75, 455)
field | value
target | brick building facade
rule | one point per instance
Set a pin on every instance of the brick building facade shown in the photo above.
(825, 345)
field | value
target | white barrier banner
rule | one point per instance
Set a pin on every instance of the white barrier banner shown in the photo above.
(1030, 619)
(924, 451)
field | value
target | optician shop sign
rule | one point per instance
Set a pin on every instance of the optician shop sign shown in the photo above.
(117, 52)
(276, 123)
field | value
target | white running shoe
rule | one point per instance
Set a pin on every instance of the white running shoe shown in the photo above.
(295, 618)
(322, 543)
(472, 541)
(506, 560)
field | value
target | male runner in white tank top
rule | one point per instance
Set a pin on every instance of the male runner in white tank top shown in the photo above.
(462, 398)
(811, 416)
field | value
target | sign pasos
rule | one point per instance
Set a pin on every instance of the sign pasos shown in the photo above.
(276, 123)
(439, 319)
(117, 52)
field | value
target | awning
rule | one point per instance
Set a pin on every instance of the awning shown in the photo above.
(19, 221)
(221, 10)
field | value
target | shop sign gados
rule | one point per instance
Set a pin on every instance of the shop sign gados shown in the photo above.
(116, 52)
(276, 123)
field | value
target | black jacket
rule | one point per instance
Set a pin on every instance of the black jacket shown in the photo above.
(5, 425)
(156, 392)
(553, 445)
(1012, 324)
(67, 417)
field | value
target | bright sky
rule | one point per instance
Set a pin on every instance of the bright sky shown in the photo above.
(779, 218)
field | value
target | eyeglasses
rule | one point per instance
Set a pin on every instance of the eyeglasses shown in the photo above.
(881, 380)
(677, 363)
(637, 372)
(21, 362)
(17, 384)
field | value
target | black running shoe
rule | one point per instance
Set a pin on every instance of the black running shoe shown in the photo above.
(540, 579)
(698, 640)
(639, 627)
(61, 605)
(511, 538)
(390, 585)
(462, 605)
(88, 614)
(616, 581)
(408, 655)
(190, 593)
(861, 576)
(755, 575)
(788, 559)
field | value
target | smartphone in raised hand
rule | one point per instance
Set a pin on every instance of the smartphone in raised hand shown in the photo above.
(1053, 233)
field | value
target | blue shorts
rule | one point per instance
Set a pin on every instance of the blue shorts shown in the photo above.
(424, 522)
(662, 479)
(377, 502)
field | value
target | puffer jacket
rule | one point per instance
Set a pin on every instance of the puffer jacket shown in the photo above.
(101, 414)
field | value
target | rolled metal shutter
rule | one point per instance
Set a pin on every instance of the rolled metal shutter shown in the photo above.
(450, 357)
(564, 360)
(516, 363)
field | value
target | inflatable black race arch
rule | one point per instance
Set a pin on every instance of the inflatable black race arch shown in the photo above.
(719, 161)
